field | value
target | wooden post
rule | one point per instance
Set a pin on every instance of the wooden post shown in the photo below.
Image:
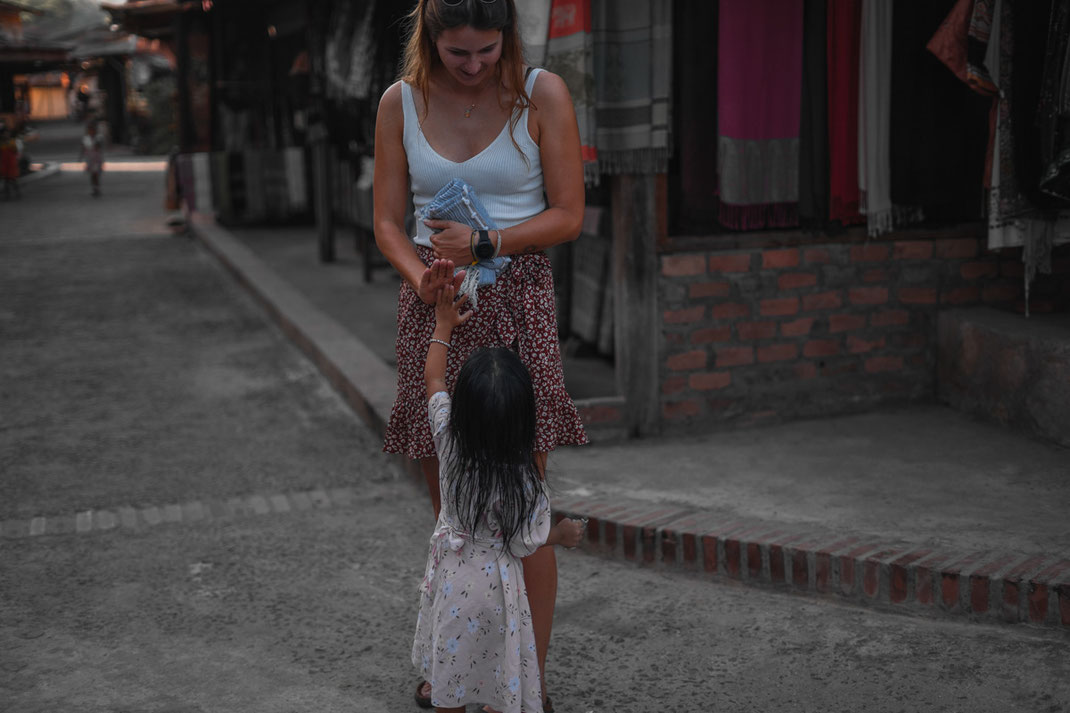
(638, 224)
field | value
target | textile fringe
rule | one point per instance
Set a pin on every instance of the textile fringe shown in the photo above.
(591, 175)
(886, 221)
(753, 217)
(644, 161)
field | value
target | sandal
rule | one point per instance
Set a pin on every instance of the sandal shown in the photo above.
(422, 700)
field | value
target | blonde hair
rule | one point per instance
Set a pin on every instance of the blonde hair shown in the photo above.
(431, 17)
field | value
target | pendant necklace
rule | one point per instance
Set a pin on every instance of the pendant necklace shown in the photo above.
(468, 111)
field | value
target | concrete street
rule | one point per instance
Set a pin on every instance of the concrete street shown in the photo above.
(263, 555)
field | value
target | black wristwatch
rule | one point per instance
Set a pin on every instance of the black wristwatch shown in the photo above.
(484, 248)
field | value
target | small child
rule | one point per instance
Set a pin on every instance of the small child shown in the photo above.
(93, 154)
(474, 640)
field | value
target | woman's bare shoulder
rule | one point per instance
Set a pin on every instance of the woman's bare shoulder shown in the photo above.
(549, 91)
(391, 99)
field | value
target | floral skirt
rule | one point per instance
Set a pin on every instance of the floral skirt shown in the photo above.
(518, 312)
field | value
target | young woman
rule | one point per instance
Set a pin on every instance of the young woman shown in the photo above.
(468, 108)
(474, 640)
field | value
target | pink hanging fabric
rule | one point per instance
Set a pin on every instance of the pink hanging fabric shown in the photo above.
(759, 99)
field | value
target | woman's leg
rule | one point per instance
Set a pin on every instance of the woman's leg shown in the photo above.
(540, 578)
(429, 466)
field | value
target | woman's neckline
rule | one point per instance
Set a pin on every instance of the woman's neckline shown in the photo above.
(420, 127)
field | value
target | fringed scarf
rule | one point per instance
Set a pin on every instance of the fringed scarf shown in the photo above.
(570, 55)
(633, 78)
(759, 88)
(844, 18)
(874, 123)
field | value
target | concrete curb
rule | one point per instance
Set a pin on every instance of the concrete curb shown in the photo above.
(898, 576)
(893, 575)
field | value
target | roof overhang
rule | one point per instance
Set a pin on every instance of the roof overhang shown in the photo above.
(149, 18)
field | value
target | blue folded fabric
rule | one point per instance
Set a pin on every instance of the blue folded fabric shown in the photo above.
(457, 201)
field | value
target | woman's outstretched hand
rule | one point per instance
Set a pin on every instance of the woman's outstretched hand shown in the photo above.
(453, 241)
(439, 275)
(448, 312)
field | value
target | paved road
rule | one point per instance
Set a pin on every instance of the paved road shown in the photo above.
(134, 373)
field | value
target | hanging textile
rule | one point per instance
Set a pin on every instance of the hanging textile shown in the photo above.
(813, 124)
(534, 19)
(350, 50)
(759, 88)
(570, 55)
(844, 18)
(939, 125)
(962, 44)
(874, 123)
(978, 34)
(1054, 110)
(633, 84)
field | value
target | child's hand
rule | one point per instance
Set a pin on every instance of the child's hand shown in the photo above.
(435, 278)
(448, 309)
(570, 532)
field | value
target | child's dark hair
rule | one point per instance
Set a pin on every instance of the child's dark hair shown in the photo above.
(492, 425)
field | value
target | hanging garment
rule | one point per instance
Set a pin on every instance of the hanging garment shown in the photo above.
(939, 126)
(813, 124)
(844, 27)
(759, 87)
(1054, 109)
(534, 19)
(570, 55)
(874, 123)
(978, 34)
(633, 85)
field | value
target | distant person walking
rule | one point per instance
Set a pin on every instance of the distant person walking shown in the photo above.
(9, 163)
(93, 155)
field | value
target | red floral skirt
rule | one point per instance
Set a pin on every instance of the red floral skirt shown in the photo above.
(518, 312)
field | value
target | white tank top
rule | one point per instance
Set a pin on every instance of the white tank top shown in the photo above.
(510, 189)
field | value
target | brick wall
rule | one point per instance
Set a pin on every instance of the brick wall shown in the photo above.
(753, 335)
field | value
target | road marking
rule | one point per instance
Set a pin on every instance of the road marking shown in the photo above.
(125, 517)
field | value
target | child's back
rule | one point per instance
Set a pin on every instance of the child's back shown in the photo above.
(474, 640)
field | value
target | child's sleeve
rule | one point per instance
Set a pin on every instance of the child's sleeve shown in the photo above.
(533, 534)
(438, 413)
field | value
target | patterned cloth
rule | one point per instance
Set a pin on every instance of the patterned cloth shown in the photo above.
(517, 312)
(457, 201)
(633, 84)
(474, 641)
(570, 55)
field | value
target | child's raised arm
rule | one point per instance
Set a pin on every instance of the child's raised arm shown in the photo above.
(448, 315)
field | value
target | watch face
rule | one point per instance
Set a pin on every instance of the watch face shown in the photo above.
(484, 248)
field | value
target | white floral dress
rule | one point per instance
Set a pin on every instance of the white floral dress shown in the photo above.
(474, 641)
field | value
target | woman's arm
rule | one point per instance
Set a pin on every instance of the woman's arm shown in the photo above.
(391, 194)
(558, 136)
